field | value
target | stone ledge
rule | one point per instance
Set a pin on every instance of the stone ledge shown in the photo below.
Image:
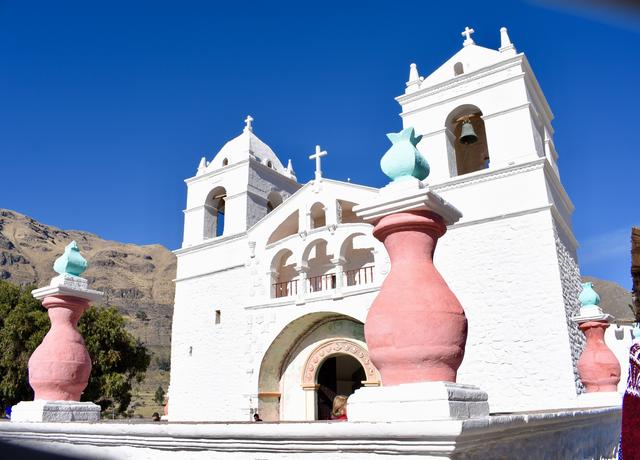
(575, 433)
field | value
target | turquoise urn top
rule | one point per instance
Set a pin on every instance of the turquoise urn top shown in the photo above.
(71, 262)
(403, 160)
(589, 297)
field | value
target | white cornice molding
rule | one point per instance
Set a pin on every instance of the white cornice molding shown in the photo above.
(487, 175)
(216, 172)
(553, 178)
(212, 272)
(542, 100)
(461, 79)
(211, 242)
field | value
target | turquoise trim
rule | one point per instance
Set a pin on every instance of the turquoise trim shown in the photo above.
(71, 262)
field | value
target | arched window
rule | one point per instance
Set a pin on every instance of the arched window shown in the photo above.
(214, 210)
(283, 272)
(347, 216)
(321, 275)
(287, 228)
(458, 69)
(357, 252)
(225, 162)
(269, 164)
(273, 201)
(467, 139)
(317, 215)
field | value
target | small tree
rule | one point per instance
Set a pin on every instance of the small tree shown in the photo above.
(159, 396)
(117, 358)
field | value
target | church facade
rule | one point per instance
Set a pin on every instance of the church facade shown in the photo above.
(275, 278)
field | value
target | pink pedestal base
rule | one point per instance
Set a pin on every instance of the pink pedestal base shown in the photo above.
(598, 367)
(416, 329)
(59, 368)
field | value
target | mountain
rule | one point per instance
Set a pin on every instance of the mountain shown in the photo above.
(135, 279)
(614, 299)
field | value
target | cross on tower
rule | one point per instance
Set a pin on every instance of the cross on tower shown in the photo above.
(316, 156)
(247, 123)
(467, 34)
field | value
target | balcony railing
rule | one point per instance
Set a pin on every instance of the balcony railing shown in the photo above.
(326, 282)
(321, 282)
(362, 275)
(286, 288)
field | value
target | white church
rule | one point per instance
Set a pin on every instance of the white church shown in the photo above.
(275, 277)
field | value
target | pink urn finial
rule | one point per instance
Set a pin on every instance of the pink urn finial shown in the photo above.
(59, 368)
(598, 367)
(416, 329)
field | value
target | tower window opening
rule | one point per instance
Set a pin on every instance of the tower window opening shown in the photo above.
(225, 162)
(274, 199)
(467, 140)
(458, 69)
(318, 216)
(214, 208)
(218, 316)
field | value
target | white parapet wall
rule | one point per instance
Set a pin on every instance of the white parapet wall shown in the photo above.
(570, 434)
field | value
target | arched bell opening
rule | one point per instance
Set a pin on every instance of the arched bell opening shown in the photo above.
(214, 211)
(468, 139)
(274, 199)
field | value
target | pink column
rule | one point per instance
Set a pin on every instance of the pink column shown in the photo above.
(598, 367)
(416, 329)
(59, 368)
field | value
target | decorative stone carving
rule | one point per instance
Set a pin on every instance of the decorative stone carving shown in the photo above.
(338, 347)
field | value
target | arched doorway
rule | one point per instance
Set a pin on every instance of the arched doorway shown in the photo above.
(287, 381)
(337, 366)
(338, 375)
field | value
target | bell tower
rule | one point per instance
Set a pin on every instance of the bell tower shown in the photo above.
(493, 93)
(480, 113)
(243, 182)
(511, 259)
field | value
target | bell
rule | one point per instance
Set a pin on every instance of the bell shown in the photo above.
(467, 134)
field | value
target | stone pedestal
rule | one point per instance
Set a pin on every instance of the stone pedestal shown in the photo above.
(411, 402)
(55, 411)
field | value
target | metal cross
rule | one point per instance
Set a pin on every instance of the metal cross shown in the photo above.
(316, 156)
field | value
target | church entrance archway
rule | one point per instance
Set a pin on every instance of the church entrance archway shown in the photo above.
(337, 366)
(289, 372)
(338, 375)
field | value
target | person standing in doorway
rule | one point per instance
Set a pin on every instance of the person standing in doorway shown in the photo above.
(339, 411)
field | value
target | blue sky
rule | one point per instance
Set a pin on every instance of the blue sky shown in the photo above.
(106, 107)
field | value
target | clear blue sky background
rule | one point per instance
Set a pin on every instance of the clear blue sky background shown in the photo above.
(106, 107)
